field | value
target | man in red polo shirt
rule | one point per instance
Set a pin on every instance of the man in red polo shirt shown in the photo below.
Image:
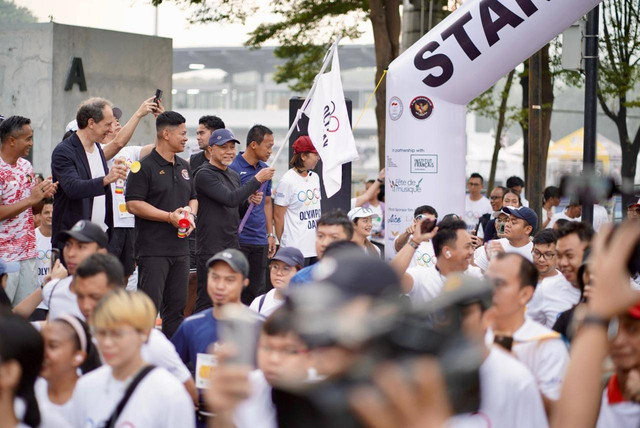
(621, 398)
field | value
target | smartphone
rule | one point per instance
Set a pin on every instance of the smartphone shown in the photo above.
(240, 326)
(158, 96)
(55, 256)
(427, 226)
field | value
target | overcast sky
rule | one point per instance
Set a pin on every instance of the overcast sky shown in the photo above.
(138, 16)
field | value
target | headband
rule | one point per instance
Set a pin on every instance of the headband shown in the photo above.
(77, 327)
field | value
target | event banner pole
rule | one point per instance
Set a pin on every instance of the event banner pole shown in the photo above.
(430, 84)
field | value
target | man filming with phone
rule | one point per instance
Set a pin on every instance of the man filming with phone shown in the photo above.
(454, 252)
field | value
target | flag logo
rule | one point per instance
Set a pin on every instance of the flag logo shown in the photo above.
(395, 108)
(421, 107)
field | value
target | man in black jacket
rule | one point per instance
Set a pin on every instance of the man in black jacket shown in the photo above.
(220, 195)
(79, 166)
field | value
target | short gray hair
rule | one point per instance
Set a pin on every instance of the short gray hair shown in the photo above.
(91, 109)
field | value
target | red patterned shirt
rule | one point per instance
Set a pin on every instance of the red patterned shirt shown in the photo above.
(17, 234)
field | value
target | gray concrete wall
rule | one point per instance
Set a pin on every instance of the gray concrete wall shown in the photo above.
(122, 67)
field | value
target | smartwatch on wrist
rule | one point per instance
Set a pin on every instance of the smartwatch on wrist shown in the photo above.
(270, 235)
(413, 244)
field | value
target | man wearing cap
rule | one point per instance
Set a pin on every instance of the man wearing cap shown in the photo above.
(284, 265)
(79, 165)
(159, 195)
(19, 194)
(57, 295)
(257, 240)
(227, 276)
(297, 201)
(220, 196)
(520, 226)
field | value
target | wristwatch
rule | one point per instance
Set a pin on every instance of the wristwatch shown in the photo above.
(581, 317)
(270, 235)
(413, 244)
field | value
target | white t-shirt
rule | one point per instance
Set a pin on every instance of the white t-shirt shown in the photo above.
(301, 196)
(427, 284)
(59, 299)
(377, 223)
(543, 352)
(600, 217)
(258, 410)
(121, 217)
(160, 352)
(43, 260)
(509, 396)
(99, 209)
(159, 400)
(482, 261)
(561, 215)
(617, 415)
(553, 296)
(65, 411)
(473, 210)
(424, 256)
(269, 305)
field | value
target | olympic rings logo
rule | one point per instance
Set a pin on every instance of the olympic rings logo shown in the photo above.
(424, 259)
(309, 197)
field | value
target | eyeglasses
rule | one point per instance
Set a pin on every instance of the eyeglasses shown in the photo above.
(286, 270)
(116, 335)
(495, 198)
(547, 256)
(287, 352)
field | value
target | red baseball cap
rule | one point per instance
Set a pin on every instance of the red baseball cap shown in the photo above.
(303, 145)
(634, 311)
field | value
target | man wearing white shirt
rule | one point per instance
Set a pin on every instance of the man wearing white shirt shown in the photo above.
(573, 240)
(424, 255)
(521, 225)
(573, 212)
(475, 205)
(537, 347)
(554, 294)
(453, 250)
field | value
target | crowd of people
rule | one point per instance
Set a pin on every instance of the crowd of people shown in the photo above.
(490, 317)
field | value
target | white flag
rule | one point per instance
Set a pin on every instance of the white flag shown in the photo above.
(329, 127)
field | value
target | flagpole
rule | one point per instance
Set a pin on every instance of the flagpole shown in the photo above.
(327, 58)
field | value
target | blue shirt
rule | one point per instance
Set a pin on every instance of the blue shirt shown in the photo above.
(304, 276)
(255, 230)
(194, 336)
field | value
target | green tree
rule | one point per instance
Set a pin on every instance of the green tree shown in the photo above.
(619, 74)
(303, 31)
(11, 14)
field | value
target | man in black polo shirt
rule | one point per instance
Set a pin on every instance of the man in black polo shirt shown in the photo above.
(157, 195)
(220, 195)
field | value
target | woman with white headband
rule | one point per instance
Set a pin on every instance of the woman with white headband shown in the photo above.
(68, 350)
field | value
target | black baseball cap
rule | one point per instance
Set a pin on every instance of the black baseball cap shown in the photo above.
(85, 231)
(357, 274)
(234, 258)
(289, 255)
(525, 213)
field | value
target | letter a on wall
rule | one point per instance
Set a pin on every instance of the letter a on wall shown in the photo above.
(430, 84)
(76, 75)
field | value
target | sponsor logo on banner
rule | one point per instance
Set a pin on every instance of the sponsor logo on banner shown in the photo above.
(421, 107)
(394, 234)
(395, 108)
(391, 163)
(424, 164)
(394, 219)
(406, 186)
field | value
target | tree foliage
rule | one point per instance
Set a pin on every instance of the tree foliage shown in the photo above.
(10, 13)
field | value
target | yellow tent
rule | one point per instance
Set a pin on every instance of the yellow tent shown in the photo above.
(569, 148)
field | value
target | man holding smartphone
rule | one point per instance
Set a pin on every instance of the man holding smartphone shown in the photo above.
(424, 255)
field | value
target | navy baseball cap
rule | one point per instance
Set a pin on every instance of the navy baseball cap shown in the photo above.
(85, 231)
(220, 137)
(289, 255)
(525, 213)
(234, 258)
(9, 267)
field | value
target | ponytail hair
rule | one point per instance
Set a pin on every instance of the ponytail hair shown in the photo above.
(23, 344)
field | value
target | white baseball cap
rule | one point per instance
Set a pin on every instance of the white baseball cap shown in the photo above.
(361, 212)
